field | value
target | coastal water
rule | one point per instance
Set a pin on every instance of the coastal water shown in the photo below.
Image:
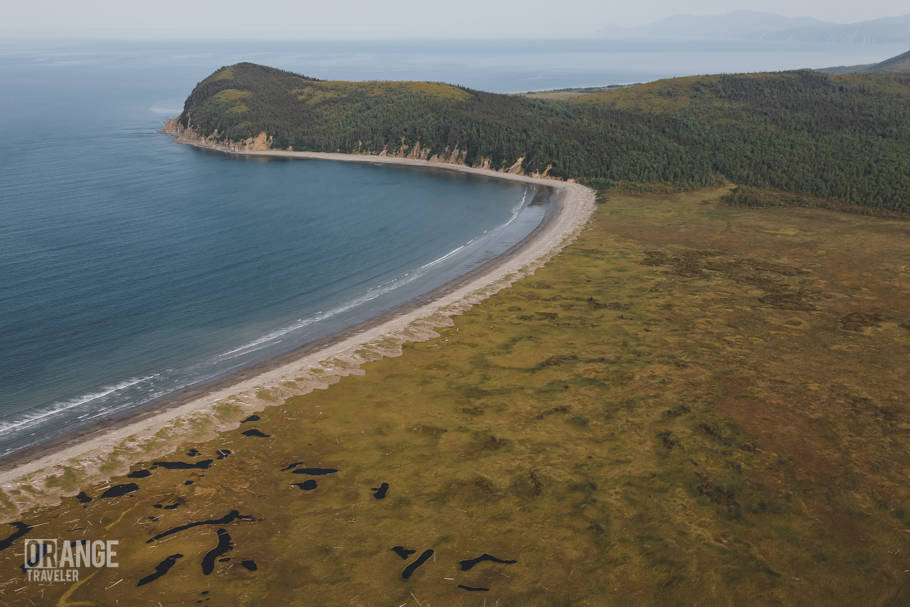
(132, 267)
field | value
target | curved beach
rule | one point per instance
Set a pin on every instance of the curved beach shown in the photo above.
(110, 448)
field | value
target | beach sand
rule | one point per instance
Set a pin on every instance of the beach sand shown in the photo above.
(109, 449)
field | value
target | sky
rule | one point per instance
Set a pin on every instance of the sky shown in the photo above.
(384, 18)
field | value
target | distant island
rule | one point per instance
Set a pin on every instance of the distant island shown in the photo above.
(791, 138)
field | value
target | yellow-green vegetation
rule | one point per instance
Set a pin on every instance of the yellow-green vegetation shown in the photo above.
(67, 479)
(318, 91)
(230, 101)
(231, 95)
(660, 96)
(225, 73)
(692, 404)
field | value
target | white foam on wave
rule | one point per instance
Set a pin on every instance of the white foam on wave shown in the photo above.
(516, 210)
(57, 408)
(270, 339)
(446, 256)
(274, 337)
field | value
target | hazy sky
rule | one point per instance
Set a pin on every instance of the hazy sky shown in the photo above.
(384, 18)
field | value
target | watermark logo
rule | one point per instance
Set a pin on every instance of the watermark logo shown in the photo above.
(54, 560)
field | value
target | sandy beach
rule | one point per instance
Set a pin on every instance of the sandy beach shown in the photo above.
(110, 448)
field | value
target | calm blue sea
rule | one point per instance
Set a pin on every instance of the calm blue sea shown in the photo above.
(132, 267)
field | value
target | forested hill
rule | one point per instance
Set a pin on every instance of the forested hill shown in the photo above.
(840, 138)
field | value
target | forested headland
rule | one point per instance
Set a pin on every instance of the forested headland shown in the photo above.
(829, 140)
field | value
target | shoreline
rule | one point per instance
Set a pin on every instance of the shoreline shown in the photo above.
(315, 365)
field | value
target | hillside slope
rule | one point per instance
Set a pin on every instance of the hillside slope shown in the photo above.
(842, 138)
(897, 65)
(894, 65)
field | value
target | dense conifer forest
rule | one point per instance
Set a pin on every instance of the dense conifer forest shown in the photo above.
(840, 138)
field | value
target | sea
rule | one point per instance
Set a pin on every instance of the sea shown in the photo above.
(133, 268)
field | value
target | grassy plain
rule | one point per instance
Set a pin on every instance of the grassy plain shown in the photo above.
(692, 404)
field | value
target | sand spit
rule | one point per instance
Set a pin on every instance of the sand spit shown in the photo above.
(45, 475)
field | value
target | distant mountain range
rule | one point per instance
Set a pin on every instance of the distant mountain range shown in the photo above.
(754, 25)
(894, 65)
